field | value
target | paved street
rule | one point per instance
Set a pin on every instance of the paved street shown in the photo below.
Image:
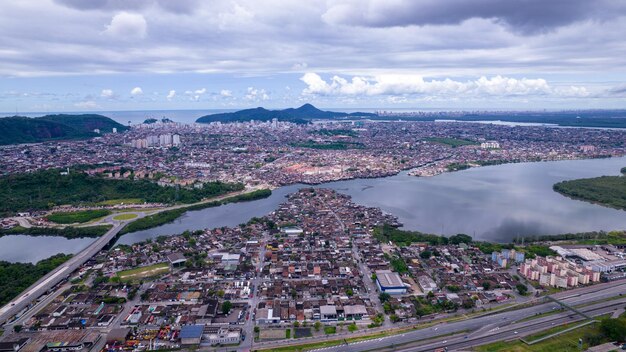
(480, 327)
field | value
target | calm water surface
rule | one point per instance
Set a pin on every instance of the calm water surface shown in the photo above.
(495, 203)
(22, 248)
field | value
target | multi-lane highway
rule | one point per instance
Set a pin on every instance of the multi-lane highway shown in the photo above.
(512, 331)
(493, 327)
(57, 275)
(51, 279)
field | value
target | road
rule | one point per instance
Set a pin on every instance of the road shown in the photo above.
(51, 279)
(481, 326)
(371, 290)
(514, 331)
(248, 328)
(57, 275)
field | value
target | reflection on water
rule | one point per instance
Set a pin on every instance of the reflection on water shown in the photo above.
(496, 203)
(22, 248)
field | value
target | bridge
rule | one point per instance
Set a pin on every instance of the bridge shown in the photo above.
(57, 275)
(566, 306)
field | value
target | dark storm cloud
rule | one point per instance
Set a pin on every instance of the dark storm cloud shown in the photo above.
(175, 6)
(521, 16)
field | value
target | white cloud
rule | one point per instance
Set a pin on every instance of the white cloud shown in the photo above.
(107, 93)
(171, 95)
(117, 39)
(394, 84)
(226, 93)
(89, 105)
(136, 91)
(126, 25)
(299, 66)
(195, 95)
(255, 94)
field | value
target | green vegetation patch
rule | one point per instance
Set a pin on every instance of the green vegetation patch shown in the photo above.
(154, 220)
(77, 216)
(388, 233)
(19, 129)
(67, 232)
(143, 272)
(453, 142)
(609, 191)
(46, 188)
(121, 201)
(330, 330)
(123, 217)
(457, 166)
(16, 277)
(168, 216)
(338, 132)
(330, 146)
(592, 335)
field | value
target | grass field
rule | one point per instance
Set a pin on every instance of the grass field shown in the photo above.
(143, 272)
(122, 217)
(566, 342)
(77, 216)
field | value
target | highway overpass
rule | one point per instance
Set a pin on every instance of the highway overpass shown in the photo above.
(57, 275)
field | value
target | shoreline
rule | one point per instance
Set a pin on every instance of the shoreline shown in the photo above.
(380, 177)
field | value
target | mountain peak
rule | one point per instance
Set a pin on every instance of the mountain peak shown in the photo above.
(308, 107)
(303, 114)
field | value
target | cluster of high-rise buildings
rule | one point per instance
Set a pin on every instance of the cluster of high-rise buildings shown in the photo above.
(155, 141)
(505, 257)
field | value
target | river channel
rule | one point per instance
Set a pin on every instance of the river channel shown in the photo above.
(494, 203)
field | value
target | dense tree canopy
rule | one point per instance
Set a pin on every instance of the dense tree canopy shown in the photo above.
(606, 190)
(16, 277)
(46, 188)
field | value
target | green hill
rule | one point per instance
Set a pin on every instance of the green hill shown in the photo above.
(19, 129)
(303, 114)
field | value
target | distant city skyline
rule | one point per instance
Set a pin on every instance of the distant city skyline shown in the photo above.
(111, 55)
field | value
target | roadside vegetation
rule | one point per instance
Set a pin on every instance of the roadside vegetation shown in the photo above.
(609, 191)
(16, 277)
(77, 216)
(606, 330)
(67, 232)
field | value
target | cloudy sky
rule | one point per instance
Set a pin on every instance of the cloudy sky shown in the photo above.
(81, 55)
